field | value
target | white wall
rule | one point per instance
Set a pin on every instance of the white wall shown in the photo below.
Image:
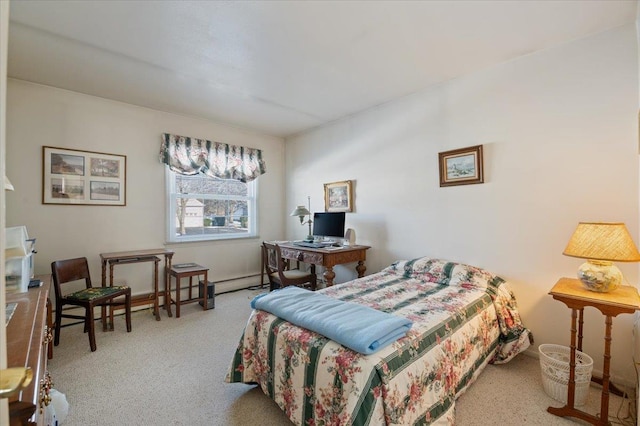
(559, 129)
(40, 115)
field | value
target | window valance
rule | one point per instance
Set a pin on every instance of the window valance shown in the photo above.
(190, 156)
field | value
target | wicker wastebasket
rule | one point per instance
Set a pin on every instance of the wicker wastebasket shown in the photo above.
(554, 363)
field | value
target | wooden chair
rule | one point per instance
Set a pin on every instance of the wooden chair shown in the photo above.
(66, 271)
(279, 273)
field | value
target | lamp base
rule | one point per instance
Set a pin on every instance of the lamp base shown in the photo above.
(600, 276)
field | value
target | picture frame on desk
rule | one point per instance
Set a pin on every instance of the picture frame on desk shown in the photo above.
(76, 177)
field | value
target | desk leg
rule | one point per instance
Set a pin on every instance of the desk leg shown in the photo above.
(361, 268)
(329, 275)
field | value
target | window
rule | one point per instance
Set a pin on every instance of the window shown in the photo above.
(207, 208)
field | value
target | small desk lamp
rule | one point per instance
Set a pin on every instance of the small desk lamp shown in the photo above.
(601, 244)
(301, 212)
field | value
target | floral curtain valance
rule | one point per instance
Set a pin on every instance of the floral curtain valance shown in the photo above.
(190, 156)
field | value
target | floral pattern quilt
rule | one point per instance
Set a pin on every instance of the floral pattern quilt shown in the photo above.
(463, 318)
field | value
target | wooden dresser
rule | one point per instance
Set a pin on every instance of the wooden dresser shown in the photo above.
(28, 337)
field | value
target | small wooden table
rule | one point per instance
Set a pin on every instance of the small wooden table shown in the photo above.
(624, 300)
(135, 256)
(189, 270)
(327, 257)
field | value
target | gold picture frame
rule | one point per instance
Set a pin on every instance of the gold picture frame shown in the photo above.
(338, 196)
(462, 166)
(75, 177)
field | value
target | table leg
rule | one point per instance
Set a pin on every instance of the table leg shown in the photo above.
(103, 310)
(167, 283)
(205, 292)
(361, 268)
(109, 326)
(569, 410)
(580, 327)
(178, 296)
(156, 295)
(190, 286)
(604, 400)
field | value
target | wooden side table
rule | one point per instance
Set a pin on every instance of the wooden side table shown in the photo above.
(135, 256)
(624, 300)
(189, 270)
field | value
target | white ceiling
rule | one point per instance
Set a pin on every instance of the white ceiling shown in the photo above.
(282, 67)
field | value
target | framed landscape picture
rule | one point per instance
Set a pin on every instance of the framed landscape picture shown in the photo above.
(338, 197)
(71, 176)
(461, 166)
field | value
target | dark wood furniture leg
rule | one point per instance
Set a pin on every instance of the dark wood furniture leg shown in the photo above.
(178, 296)
(103, 310)
(329, 275)
(109, 326)
(167, 284)
(156, 290)
(205, 291)
(361, 268)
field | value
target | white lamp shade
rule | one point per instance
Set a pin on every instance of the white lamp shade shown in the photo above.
(300, 211)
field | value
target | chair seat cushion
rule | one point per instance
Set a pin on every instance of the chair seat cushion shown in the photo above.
(95, 292)
(292, 274)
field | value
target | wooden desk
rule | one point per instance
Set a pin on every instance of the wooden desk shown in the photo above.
(135, 256)
(624, 300)
(327, 257)
(184, 272)
(28, 335)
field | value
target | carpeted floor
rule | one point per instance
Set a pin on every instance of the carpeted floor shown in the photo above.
(171, 372)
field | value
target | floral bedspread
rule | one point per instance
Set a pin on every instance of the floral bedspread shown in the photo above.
(463, 318)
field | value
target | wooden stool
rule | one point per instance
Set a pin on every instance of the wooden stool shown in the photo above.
(182, 271)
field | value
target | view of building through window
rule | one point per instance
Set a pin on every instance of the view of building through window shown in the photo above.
(210, 208)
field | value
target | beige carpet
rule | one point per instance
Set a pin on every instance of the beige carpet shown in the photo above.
(171, 372)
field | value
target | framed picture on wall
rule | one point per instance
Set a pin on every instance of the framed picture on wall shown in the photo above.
(338, 196)
(71, 176)
(461, 166)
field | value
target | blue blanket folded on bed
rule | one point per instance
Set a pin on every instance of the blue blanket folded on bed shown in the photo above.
(357, 327)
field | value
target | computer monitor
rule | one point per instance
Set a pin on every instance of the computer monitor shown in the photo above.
(328, 224)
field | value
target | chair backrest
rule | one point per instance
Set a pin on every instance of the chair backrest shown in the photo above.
(272, 258)
(64, 271)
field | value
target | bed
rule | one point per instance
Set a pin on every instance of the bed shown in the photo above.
(463, 318)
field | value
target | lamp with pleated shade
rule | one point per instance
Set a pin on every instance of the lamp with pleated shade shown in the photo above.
(301, 212)
(601, 244)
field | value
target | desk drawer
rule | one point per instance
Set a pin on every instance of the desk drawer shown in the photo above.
(302, 256)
